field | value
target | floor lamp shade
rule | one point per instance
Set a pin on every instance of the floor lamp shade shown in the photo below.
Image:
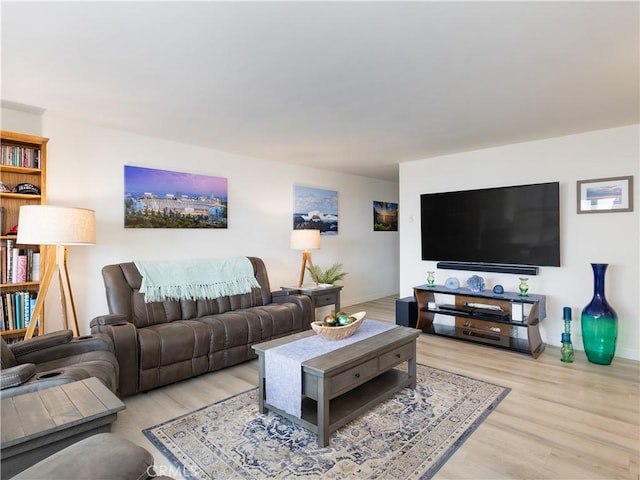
(59, 227)
(53, 225)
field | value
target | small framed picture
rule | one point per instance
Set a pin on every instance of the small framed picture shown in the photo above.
(604, 195)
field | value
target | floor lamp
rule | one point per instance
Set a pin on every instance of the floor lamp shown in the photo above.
(306, 240)
(55, 227)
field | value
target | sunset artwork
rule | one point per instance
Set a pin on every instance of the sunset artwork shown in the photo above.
(385, 217)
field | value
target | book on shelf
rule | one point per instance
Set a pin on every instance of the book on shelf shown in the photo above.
(17, 301)
(9, 261)
(3, 264)
(17, 309)
(19, 156)
(19, 266)
(9, 311)
(35, 267)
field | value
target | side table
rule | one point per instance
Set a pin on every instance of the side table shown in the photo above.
(38, 424)
(320, 296)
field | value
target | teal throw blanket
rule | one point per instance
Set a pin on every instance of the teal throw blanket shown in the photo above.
(196, 279)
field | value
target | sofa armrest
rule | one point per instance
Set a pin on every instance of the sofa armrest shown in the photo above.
(43, 342)
(302, 300)
(124, 337)
(14, 376)
(111, 319)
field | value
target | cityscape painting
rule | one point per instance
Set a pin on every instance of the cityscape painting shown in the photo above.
(166, 199)
(315, 209)
(385, 217)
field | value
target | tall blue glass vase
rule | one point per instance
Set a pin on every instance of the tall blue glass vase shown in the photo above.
(599, 322)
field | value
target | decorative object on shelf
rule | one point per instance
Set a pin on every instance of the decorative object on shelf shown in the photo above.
(306, 240)
(431, 279)
(524, 286)
(452, 283)
(58, 227)
(340, 331)
(599, 322)
(26, 188)
(498, 289)
(329, 276)
(604, 195)
(475, 283)
(566, 351)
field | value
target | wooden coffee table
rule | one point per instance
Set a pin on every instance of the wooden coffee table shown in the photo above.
(339, 386)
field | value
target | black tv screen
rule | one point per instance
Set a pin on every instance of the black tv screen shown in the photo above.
(517, 225)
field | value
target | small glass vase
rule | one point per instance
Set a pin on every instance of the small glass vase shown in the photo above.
(523, 287)
(431, 279)
(599, 322)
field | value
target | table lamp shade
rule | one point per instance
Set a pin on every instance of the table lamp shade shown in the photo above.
(54, 225)
(305, 239)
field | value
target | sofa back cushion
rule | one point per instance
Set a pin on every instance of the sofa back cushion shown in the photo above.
(122, 283)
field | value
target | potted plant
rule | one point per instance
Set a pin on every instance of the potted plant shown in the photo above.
(329, 276)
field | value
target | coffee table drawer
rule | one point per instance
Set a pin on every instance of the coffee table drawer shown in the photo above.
(348, 379)
(395, 357)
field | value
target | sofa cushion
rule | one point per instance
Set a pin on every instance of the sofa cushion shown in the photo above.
(173, 351)
(233, 333)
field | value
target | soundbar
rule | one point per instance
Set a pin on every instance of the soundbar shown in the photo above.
(489, 267)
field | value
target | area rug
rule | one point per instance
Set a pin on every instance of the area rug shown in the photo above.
(408, 436)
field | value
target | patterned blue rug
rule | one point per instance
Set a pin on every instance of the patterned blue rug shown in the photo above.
(409, 436)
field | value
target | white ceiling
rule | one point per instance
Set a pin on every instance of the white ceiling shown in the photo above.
(355, 87)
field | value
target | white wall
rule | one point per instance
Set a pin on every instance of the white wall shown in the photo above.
(611, 238)
(85, 169)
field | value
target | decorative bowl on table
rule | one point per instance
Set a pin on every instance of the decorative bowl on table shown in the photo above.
(332, 329)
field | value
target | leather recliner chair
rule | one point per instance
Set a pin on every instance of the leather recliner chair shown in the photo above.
(54, 359)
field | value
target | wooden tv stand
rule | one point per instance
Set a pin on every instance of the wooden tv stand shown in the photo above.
(483, 324)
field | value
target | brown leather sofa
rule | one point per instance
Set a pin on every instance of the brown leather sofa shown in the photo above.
(159, 343)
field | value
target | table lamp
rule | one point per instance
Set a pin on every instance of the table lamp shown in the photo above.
(306, 240)
(55, 226)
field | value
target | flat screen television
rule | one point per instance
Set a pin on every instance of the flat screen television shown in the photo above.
(516, 225)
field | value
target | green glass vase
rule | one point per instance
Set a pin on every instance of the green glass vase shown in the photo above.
(599, 322)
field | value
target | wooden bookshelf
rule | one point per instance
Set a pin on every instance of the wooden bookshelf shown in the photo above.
(23, 160)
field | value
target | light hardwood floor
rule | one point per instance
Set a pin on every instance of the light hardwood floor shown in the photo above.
(560, 421)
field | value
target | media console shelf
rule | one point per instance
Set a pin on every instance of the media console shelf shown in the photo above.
(484, 317)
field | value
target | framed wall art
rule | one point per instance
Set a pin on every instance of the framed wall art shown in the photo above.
(167, 199)
(315, 209)
(604, 195)
(385, 217)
